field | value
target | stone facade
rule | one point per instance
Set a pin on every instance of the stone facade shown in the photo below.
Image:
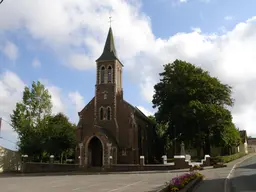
(119, 129)
(9, 160)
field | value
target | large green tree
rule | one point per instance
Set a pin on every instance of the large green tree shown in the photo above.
(161, 143)
(60, 136)
(29, 119)
(193, 104)
(40, 133)
(231, 137)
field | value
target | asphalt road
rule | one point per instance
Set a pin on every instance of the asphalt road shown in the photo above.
(87, 183)
(216, 179)
(244, 176)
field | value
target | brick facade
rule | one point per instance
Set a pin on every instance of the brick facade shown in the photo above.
(123, 130)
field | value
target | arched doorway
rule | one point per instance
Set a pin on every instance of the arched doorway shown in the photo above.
(95, 150)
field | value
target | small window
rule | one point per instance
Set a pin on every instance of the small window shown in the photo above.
(109, 74)
(105, 96)
(101, 113)
(108, 113)
(102, 74)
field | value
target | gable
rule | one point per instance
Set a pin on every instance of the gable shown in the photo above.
(86, 106)
(243, 136)
(138, 113)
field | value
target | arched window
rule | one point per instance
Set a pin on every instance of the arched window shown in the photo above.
(108, 113)
(102, 74)
(109, 74)
(101, 113)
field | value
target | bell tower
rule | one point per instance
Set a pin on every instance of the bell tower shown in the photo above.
(108, 88)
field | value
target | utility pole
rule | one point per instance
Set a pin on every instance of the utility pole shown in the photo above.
(1, 137)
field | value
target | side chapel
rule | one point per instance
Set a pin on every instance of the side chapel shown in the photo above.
(108, 125)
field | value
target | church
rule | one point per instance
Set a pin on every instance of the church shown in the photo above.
(109, 127)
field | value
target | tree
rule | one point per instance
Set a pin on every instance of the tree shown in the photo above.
(230, 137)
(160, 139)
(60, 136)
(29, 118)
(192, 103)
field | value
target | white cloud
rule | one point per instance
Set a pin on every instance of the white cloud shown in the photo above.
(81, 62)
(145, 111)
(36, 63)
(10, 50)
(57, 101)
(77, 100)
(11, 91)
(11, 87)
(229, 56)
(228, 18)
(76, 31)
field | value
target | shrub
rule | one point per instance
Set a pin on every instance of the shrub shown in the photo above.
(196, 167)
(226, 159)
(169, 160)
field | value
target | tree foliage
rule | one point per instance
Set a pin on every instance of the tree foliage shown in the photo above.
(40, 133)
(30, 118)
(60, 135)
(193, 105)
(159, 131)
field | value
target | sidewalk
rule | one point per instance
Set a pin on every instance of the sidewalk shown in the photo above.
(215, 178)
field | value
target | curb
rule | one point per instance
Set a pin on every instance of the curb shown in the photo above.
(2, 175)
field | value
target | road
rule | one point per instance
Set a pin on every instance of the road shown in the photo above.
(216, 179)
(244, 176)
(87, 183)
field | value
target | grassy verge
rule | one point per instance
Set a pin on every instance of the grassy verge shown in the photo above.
(227, 158)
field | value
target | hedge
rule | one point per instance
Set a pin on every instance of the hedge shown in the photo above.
(227, 158)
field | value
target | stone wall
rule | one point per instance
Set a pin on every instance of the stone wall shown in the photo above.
(50, 168)
(179, 163)
(30, 167)
(149, 167)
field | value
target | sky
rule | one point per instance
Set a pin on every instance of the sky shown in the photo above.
(58, 41)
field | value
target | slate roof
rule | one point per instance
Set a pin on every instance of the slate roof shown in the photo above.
(109, 51)
(139, 112)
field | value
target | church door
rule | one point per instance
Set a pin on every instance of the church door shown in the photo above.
(95, 153)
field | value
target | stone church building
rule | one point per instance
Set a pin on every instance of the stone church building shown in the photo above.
(110, 127)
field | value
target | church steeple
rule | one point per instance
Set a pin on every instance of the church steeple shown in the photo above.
(108, 82)
(109, 52)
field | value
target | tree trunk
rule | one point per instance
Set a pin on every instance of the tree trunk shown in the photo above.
(207, 147)
(198, 151)
(61, 158)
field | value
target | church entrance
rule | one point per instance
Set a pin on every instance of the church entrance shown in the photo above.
(95, 153)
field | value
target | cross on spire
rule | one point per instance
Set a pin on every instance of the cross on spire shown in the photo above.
(110, 20)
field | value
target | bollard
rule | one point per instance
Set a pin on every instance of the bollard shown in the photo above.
(24, 159)
(164, 157)
(51, 158)
(142, 161)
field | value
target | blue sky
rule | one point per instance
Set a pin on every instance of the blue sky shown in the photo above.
(58, 41)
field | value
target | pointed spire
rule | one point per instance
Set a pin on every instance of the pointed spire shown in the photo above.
(109, 52)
